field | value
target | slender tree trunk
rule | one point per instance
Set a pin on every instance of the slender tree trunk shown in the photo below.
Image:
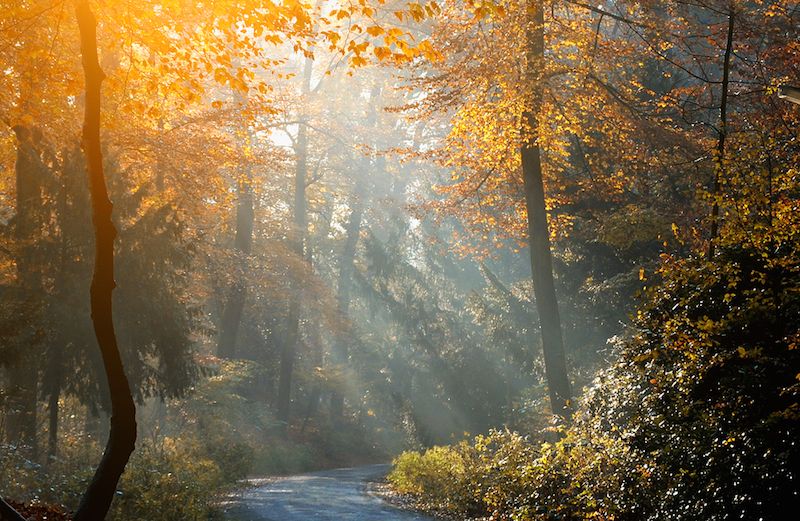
(719, 168)
(538, 230)
(289, 352)
(23, 379)
(22, 404)
(52, 409)
(243, 244)
(231, 319)
(353, 230)
(55, 358)
(122, 435)
(7, 512)
(234, 307)
(340, 350)
(316, 362)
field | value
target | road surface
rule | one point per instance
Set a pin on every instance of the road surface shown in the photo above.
(332, 495)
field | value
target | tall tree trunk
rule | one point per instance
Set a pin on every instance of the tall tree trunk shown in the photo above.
(346, 260)
(55, 358)
(722, 134)
(289, 351)
(52, 406)
(316, 357)
(234, 307)
(122, 435)
(538, 230)
(243, 244)
(353, 230)
(7, 512)
(23, 379)
(22, 405)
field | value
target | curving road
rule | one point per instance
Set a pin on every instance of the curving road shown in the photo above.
(332, 495)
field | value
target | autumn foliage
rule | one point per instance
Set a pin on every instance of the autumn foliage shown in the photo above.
(564, 232)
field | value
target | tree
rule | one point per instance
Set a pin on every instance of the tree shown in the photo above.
(495, 59)
(122, 436)
(243, 241)
(24, 380)
(538, 230)
(299, 231)
(363, 170)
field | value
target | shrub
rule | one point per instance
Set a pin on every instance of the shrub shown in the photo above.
(440, 477)
(697, 418)
(167, 480)
(233, 459)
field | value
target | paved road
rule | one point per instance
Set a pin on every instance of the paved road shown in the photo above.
(333, 495)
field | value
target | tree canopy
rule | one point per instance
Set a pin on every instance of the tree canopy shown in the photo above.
(550, 245)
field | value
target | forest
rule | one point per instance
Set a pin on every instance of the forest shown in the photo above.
(284, 260)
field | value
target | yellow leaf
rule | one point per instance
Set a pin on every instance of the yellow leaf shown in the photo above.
(382, 52)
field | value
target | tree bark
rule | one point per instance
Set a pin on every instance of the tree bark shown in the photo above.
(23, 379)
(52, 406)
(343, 295)
(722, 134)
(97, 499)
(243, 244)
(353, 230)
(7, 512)
(234, 307)
(55, 366)
(288, 353)
(538, 230)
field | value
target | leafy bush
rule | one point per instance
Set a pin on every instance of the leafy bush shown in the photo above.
(61, 482)
(165, 479)
(440, 476)
(234, 460)
(705, 394)
(168, 480)
(697, 418)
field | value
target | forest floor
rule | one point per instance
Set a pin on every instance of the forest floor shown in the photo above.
(341, 495)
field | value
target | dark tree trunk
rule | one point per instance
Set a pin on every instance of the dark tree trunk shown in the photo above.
(55, 364)
(52, 406)
(22, 405)
(719, 167)
(538, 230)
(243, 244)
(316, 361)
(122, 435)
(234, 307)
(231, 319)
(353, 230)
(289, 352)
(23, 378)
(340, 350)
(7, 512)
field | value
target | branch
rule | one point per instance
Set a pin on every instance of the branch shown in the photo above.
(603, 12)
(8, 513)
